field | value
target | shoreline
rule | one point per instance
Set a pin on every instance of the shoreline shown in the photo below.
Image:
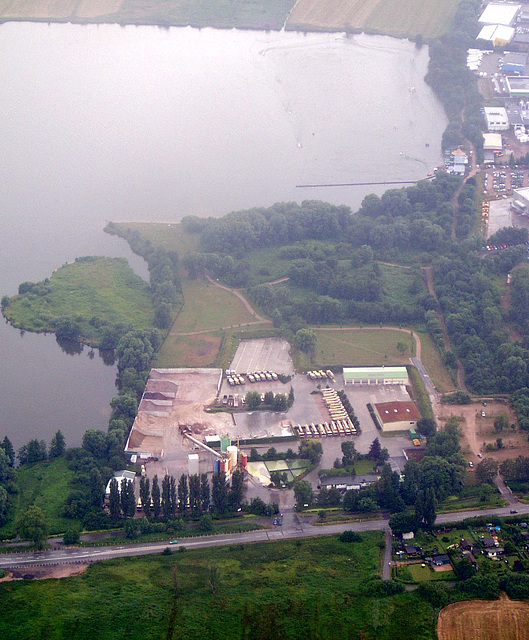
(294, 28)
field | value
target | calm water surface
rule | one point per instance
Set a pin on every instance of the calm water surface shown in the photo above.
(103, 123)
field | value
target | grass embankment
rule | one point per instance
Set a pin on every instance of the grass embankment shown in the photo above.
(47, 485)
(289, 589)
(401, 18)
(92, 291)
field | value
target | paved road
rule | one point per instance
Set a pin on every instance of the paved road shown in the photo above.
(292, 528)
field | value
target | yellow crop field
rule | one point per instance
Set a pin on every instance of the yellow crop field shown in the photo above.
(403, 18)
(502, 619)
(57, 9)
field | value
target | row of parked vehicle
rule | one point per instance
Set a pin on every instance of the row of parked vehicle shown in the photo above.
(258, 376)
(334, 405)
(333, 428)
(320, 375)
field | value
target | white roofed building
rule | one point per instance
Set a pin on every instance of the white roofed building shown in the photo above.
(498, 34)
(500, 14)
(496, 118)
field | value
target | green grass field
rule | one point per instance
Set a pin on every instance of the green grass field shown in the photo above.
(45, 484)
(103, 288)
(362, 347)
(306, 588)
(422, 574)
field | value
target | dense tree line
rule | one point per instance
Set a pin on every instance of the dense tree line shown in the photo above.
(165, 284)
(474, 317)
(454, 84)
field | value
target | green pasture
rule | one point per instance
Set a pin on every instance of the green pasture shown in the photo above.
(102, 288)
(209, 308)
(45, 484)
(287, 589)
(362, 347)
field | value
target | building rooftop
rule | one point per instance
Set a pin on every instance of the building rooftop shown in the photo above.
(496, 13)
(492, 141)
(397, 411)
(355, 373)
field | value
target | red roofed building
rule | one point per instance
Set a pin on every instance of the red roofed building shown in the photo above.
(397, 416)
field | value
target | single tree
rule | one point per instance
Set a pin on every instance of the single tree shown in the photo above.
(166, 497)
(57, 445)
(97, 489)
(155, 494)
(236, 490)
(204, 492)
(375, 450)
(194, 493)
(486, 470)
(252, 400)
(9, 450)
(302, 493)
(219, 493)
(145, 495)
(349, 453)
(183, 493)
(173, 499)
(113, 499)
(32, 525)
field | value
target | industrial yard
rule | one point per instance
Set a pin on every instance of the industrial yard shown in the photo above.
(197, 421)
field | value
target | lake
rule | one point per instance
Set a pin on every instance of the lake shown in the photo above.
(102, 122)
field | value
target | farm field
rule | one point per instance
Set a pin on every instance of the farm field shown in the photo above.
(289, 589)
(362, 347)
(392, 17)
(255, 14)
(502, 619)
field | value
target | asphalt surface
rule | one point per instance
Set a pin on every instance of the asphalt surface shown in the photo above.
(292, 528)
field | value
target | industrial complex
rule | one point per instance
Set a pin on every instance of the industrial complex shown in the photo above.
(194, 421)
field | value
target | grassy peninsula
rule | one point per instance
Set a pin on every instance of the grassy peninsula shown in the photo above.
(83, 297)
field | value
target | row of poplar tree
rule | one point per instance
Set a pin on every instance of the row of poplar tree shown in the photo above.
(190, 495)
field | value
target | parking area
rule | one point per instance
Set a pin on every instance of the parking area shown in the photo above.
(267, 354)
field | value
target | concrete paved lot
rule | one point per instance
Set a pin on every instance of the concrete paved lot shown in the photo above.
(266, 354)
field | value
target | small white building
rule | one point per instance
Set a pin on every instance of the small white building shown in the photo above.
(459, 161)
(496, 118)
(520, 200)
(120, 476)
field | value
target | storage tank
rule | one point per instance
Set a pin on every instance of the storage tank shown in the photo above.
(216, 466)
(243, 459)
(232, 457)
(225, 442)
(192, 463)
(223, 466)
